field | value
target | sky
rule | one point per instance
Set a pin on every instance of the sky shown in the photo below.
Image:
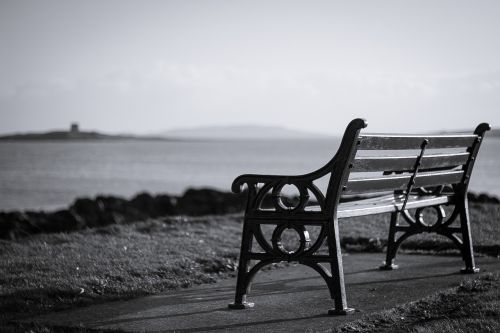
(148, 66)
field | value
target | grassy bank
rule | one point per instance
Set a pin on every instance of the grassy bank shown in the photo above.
(474, 306)
(55, 271)
(50, 272)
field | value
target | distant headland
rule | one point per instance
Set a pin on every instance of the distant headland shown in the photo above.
(74, 134)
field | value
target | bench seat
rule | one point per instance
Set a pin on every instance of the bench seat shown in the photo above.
(389, 203)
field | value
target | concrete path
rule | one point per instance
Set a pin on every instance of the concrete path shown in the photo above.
(294, 299)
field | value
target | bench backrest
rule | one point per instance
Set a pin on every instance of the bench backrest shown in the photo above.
(371, 163)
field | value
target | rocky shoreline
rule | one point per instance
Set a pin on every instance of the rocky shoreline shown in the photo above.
(106, 210)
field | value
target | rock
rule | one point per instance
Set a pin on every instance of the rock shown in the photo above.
(117, 210)
(88, 210)
(472, 197)
(17, 224)
(143, 202)
(485, 198)
(482, 198)
(106, 210)
(164, 205)
(110, 203)
(62, 221)
(13, 225)
(36, 222)
(208, 201)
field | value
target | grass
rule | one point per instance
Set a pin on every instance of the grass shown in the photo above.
(474, 306)
(52, 272)
(55, 271)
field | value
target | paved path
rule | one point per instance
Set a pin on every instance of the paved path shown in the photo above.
(286, 300)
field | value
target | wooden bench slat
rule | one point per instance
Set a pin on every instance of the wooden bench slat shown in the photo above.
(441, 178)
(379, 198)
(378, 184)
(444, 160)
(407, 163)
(383, 163)
(389, 204)
(400, 182)
(396, 142)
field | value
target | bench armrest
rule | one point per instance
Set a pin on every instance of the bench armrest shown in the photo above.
(252, 179)
(274, 184)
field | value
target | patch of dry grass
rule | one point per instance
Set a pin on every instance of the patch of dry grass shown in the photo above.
(56, 271)
(474, 306)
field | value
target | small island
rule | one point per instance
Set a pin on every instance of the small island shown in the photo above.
(74, 134)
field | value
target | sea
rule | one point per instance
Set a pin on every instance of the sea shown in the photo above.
(50, 175)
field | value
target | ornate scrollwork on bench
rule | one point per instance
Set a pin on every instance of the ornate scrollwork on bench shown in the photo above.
(260, 189)
(417, 223)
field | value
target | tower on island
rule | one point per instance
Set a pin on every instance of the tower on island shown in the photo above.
(74, 129)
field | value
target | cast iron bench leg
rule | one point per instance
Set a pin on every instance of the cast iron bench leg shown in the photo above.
(336, 267)
(241, 282)
(391, 251)
(467, 251)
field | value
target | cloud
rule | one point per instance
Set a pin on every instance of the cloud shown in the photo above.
(189, 94)
(258, 81)
(37, 88)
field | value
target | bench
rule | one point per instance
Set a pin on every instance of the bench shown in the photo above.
(398, 174)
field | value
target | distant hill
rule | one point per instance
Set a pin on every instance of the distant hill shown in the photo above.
(241, 132)
(494, 133)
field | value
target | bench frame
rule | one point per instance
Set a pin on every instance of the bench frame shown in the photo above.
(298, 217)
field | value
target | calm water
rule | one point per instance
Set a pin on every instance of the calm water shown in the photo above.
(52, 174)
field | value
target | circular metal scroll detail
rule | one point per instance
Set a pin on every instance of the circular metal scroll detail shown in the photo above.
(419, 217)
(281, 206)
(278, 244)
